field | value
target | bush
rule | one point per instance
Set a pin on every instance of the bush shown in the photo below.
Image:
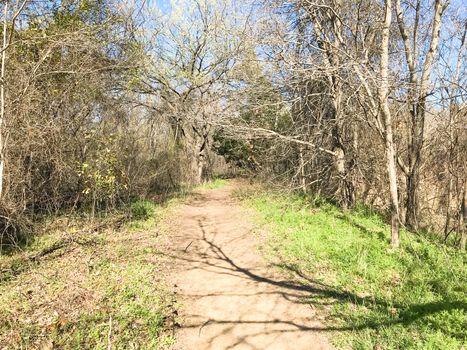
(14, 228)
(142, 209)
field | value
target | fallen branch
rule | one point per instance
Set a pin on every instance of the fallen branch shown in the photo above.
(71, 238)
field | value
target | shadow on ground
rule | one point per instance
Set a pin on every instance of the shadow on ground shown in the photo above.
(304, 289)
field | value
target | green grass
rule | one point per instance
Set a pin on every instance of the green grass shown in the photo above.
(373, 297)
(142, 209)
(145, 214)
(133, 309)
(213, 184)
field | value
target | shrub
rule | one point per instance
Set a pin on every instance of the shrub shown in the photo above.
(14, 228)
(142, 209)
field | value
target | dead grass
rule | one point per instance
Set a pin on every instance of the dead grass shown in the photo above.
(100, 289)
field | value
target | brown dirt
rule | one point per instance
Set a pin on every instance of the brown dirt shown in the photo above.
(231, 297)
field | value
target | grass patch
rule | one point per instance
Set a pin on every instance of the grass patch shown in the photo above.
(213, 184)
(105, 289)
(145, 214)
(142, 209)
(373, 297)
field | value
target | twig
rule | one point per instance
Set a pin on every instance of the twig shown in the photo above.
(72, 238)
(109, 336)
(188, 246)
(202, 326)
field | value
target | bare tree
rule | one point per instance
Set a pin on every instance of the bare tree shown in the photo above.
(5, 44)
(383, 93)
(417, 98)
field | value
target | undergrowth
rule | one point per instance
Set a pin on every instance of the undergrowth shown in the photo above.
(373, 297)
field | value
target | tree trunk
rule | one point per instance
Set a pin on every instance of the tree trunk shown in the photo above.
(411, 218)
(2, 96)
(392, 173)
(463, 219)
(200, 170)
(353, 168)
(338, 147)
(332, 46)
(448, 206)
(383, 92)
(417, 104)
(339, 163)
(302, 170)
(453, 143)
(201, 159)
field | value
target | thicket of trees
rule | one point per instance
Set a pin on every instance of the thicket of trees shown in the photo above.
(360, 101)
(372, 106)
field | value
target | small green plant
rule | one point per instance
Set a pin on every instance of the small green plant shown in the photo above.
(142, 209)
(102, 178)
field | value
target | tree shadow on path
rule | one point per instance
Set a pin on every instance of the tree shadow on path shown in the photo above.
(303, 287)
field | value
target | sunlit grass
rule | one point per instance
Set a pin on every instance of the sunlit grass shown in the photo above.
(213, 184)
(379, 298)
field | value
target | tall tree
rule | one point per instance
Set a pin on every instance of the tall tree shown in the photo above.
(416, 98)
(383, 94)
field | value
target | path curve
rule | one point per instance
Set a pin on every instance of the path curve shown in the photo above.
(231, 298)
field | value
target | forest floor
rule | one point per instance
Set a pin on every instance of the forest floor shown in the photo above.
(90, 284)
(231, 297)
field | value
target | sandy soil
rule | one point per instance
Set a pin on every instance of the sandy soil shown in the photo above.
(231, 298)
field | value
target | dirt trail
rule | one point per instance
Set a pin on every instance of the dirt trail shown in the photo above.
(231, 298)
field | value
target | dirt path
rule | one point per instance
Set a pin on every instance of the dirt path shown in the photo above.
(231, 298)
